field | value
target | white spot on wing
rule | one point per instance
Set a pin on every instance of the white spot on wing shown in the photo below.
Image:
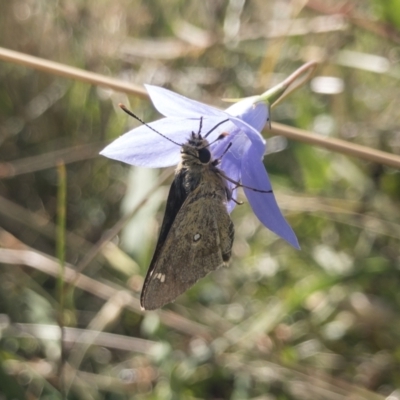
(160, 276)
(196, 237)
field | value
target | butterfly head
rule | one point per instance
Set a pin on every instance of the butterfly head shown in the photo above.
(196, 150)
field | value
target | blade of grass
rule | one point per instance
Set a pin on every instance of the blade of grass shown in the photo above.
(82, 336)
(60, 251)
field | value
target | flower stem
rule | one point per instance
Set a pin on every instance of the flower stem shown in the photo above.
(282, 90)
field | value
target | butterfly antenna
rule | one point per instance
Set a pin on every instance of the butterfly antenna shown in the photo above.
(129, 112)
(221, 136)
(215, 127)
(200, 125)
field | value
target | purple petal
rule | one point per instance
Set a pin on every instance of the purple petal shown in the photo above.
(171, 104)
(233, 157)
(264, 205)
(146, 148)
(256, 115)
(249, 117)
(231, 166)
(257, 140)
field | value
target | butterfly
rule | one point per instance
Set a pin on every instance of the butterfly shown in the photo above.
(197, 232)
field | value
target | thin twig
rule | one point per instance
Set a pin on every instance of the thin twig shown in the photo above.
(66, 71)
(49, 160)
(338, 145)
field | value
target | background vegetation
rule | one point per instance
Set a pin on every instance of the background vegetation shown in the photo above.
(320, 323)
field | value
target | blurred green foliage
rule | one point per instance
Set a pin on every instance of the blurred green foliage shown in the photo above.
(320, 323)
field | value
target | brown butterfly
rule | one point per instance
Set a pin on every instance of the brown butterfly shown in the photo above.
(197, 232)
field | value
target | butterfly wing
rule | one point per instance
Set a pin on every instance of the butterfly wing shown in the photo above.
(176, 197)
(198, 242)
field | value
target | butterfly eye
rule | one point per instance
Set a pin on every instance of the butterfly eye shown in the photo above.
(204, 156)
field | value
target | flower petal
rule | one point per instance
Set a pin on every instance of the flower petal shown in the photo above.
(145, 148)
(171, 104)
(256, 115)
(231, 166)
(264, 205)
(257, 140)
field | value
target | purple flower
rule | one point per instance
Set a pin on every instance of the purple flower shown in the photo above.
(243, 161)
